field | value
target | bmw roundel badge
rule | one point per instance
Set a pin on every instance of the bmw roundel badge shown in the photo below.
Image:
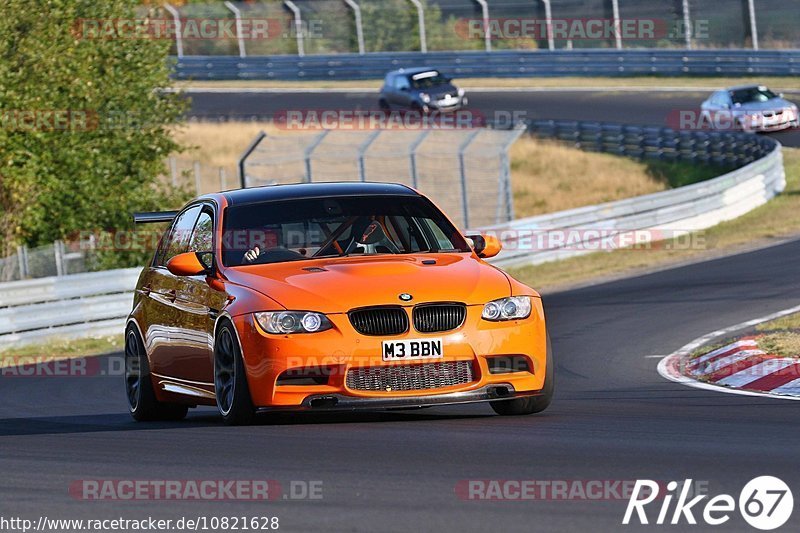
(406, 297)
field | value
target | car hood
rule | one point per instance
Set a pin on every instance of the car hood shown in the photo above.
(769, 105)
(438, 91)
(336, 285)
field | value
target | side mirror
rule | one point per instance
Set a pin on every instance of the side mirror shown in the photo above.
(485, 245)
(187, 264)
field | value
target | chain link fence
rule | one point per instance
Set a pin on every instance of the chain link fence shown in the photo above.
(57, 259)
(323, 27)
(466, 170)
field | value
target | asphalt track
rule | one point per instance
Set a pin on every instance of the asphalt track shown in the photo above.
(650, 108)
(613, 418)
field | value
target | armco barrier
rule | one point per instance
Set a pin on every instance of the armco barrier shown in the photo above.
(498, 64)
(760, 176)
(79, 305)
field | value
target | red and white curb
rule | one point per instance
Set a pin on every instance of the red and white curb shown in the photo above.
(738, 368)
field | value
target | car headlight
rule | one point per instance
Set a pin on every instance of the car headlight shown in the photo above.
(512, 308)
(425, 97)
(460, 93)
(280, 322)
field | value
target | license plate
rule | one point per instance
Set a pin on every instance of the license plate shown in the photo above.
(412, 350)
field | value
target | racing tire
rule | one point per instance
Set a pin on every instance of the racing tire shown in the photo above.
(142, 402)
(384, 106)
(531, 404)
(230, 379)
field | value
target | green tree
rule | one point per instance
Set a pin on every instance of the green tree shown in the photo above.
(99, 161)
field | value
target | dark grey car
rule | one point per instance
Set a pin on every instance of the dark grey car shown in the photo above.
(420, 89)
(750, 108)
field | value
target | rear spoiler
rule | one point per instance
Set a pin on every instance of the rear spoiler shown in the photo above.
(154, 216)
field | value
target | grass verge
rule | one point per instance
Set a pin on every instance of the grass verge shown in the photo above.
(779, 218)
(62, 349)
(781, 336)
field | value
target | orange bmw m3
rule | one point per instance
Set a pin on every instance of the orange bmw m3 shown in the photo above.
(329, 296)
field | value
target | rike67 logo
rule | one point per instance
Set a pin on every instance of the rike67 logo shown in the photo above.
(765, 503)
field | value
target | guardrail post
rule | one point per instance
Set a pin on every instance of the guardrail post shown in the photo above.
(617, 28)
(178, 29)
(487, 37)
(298, 26)
(59, 258)
(412, 157)
(362, 150)
(462, 169)
(310, 150)
(423, 40)
(687, 25)
(243, 158)
(548, 16)
(196, 168)
(223, 179)
(173, 171)
(506, 193)
(751, 8)
(239, 37)
(22, 257)
(359, 27)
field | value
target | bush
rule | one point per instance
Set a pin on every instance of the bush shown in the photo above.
(101, 132)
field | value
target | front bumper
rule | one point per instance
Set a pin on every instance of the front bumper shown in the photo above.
(341, 349)
(340, 402)
(785, 120)
(444, 105)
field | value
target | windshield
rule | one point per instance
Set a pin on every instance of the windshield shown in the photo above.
(426, 80)
(276, 232)
(752, 94)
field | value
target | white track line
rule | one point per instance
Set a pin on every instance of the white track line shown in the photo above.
(668, 366)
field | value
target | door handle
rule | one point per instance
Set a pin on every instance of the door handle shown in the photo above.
(171, 295)
(146, 290)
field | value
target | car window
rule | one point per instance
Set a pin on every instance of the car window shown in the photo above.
(752, 95)
(179, 235)
(202, 237)
(401, 82)
(426, 80)
(329, 227)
